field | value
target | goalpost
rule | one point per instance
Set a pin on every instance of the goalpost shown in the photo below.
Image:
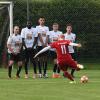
(10, 10)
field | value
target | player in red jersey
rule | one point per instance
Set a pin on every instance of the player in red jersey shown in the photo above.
(63, 57)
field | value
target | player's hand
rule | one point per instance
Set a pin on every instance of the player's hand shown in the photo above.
(45, 45)
(14, 53)
(79, 45)
(35, 56)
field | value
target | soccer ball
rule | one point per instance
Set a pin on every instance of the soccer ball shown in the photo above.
(84, 79)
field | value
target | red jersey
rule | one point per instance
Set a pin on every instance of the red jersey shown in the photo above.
(61, 47)
(63, 56)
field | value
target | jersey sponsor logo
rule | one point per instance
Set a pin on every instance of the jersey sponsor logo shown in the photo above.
(63, 43)
(44, 34)
(29, 36)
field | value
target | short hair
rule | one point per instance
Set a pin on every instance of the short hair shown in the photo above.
(69, 24)
(55, 24)
(16, 26)
(42, 17)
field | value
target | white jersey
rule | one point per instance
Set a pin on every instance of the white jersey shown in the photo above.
(43, 30)
(72, 38)
(15, 41)
(53, 36)
(29, 35)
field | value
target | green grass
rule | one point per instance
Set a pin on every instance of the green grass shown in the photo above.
(50, 89)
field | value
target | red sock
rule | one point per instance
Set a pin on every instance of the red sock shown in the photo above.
(69, 76)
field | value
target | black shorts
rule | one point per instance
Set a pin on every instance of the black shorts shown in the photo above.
(18, 57)
(53, 54)
(29, 51)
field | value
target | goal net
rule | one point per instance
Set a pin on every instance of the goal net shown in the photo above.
(6, 27)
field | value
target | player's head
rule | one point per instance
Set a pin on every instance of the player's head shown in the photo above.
(69, 28)
(61, 37)
(16, 30)
(29, 24)
(55, 26)
(41, 20)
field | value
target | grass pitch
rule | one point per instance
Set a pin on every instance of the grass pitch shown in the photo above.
(50, 89)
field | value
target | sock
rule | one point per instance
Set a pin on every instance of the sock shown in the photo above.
(72, 72)
(55, 68)
(26, 69)
(34, 67)
(9, 71)
(39, 66)
(45, 67)
(69, 76)
(19, 70)
(58, 70)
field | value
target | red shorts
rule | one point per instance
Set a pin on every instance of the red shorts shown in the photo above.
(67, 63)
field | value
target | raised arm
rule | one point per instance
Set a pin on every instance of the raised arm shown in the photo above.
(43, 50)
(75, 44)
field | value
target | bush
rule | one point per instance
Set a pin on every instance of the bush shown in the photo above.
(83, 14)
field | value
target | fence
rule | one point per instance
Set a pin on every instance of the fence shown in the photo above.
(83, 14)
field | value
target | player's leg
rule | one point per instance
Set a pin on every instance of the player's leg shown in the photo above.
(74, 57)
(45, 58)
(32, 54)
(39, 61)
(55, 65)
(10, 68)
(40, 66)
(20, 63)
(73, 64)
(66, 74)
(10, 63)
(56, 70)
(35, 69)
(26, 63)
(19, 69)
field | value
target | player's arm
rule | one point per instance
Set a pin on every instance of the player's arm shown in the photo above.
(23, 37)
(23, 42)
(9, 44)
(40, 37)
(35, 39)
(47, 40)
(10, 48)
(47, 37)
(43, 50)
(75, 44)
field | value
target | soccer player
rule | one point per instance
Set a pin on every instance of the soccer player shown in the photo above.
(29, 37)
(70, 36)
(53, 35)
(63, 57)
(43, 39)
(14, 45)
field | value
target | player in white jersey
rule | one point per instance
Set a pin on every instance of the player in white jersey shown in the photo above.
(43, 38)
(72, 37)
(53, 35)
(29, 37)
(14, 45)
